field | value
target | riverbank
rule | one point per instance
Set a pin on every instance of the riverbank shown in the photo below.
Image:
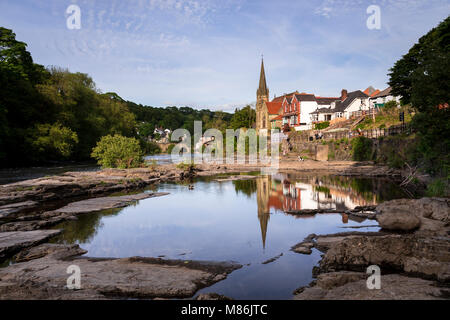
(29, 207)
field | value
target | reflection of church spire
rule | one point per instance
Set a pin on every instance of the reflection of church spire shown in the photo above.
(262, 198)
(263, 222)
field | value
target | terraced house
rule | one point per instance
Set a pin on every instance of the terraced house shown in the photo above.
(301, 111)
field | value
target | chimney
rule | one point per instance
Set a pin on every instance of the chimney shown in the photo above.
(343, 94)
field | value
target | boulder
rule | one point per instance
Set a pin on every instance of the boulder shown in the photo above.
(397, 215)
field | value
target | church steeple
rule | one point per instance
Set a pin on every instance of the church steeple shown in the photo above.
(262, 90)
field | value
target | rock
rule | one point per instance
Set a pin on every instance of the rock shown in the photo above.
(12, 242)
(344, 286)
(212, 296)
(272, 259)
(325, 242)
(426, 257)
(397, 215)
(428, 215)
(303, 247)
(56, 250)
(70, 211)
(7, 209)
(238, 177)
(97, 204)
(136, 277)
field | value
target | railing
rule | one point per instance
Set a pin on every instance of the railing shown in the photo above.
(371, 133)
(360, 113)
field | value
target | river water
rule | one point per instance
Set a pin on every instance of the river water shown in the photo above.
(242, 221)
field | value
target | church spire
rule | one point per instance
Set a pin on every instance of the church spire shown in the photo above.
(262, 90)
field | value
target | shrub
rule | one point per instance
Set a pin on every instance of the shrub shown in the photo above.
(186, 166)
(170, 148)
(390, 105)
(150, 147)
(118, 152)
(322, 125)
(361, 149)
(438, 188)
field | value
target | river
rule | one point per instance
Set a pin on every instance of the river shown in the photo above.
(242, 221)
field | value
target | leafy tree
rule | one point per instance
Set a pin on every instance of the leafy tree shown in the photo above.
(422, 76)
(118, 152)
(53, 141)
(243, 118)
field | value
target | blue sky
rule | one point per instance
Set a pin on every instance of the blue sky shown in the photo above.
(205, 53)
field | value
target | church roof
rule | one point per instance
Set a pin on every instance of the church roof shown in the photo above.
(273, 107)
(262, 89)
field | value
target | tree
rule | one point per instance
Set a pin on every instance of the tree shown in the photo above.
(422, 76)
(243, 118)
(118, 152)
(53, 141)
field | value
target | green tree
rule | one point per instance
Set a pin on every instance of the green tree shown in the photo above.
(53, 141)
(118, 152)
(243, 118)
(422, 76)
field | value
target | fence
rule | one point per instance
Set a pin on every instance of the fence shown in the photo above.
(371, 133)
(370, 112)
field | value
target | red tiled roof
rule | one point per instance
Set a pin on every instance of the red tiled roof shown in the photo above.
(375, 93)
(273, 107)
(279, 117)
(281, 98)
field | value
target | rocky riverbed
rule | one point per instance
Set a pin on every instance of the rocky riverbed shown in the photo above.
(412, 249)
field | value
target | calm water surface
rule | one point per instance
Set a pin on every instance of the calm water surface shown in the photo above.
(242, 221)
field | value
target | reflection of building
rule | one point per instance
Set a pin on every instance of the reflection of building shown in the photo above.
(286, 193)
(262, 194)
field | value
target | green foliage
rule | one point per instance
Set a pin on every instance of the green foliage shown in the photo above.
(438, 188)
(56, 114)
(243, 118)
(150, 147)
(361, 149)
(186, 166)
(390, 105)
(174, 118)
(422, 76)
(55, 141)
(433, 131)
(321, 125)
(146, 129)
(170, 148)
(118, 152)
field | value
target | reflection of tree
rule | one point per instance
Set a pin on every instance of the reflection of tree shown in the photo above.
(83, 229)
(247, 187)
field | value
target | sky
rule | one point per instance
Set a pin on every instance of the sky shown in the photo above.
(207, 53)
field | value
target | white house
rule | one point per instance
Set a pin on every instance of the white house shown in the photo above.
(379, 100)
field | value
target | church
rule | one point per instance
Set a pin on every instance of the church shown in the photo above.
(300, 111)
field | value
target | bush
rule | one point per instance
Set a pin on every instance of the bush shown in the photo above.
(438, 188)
(118, 152)
(390, 105)
(361, 149)
(322, 125)
(170, 148)
(150, 147)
